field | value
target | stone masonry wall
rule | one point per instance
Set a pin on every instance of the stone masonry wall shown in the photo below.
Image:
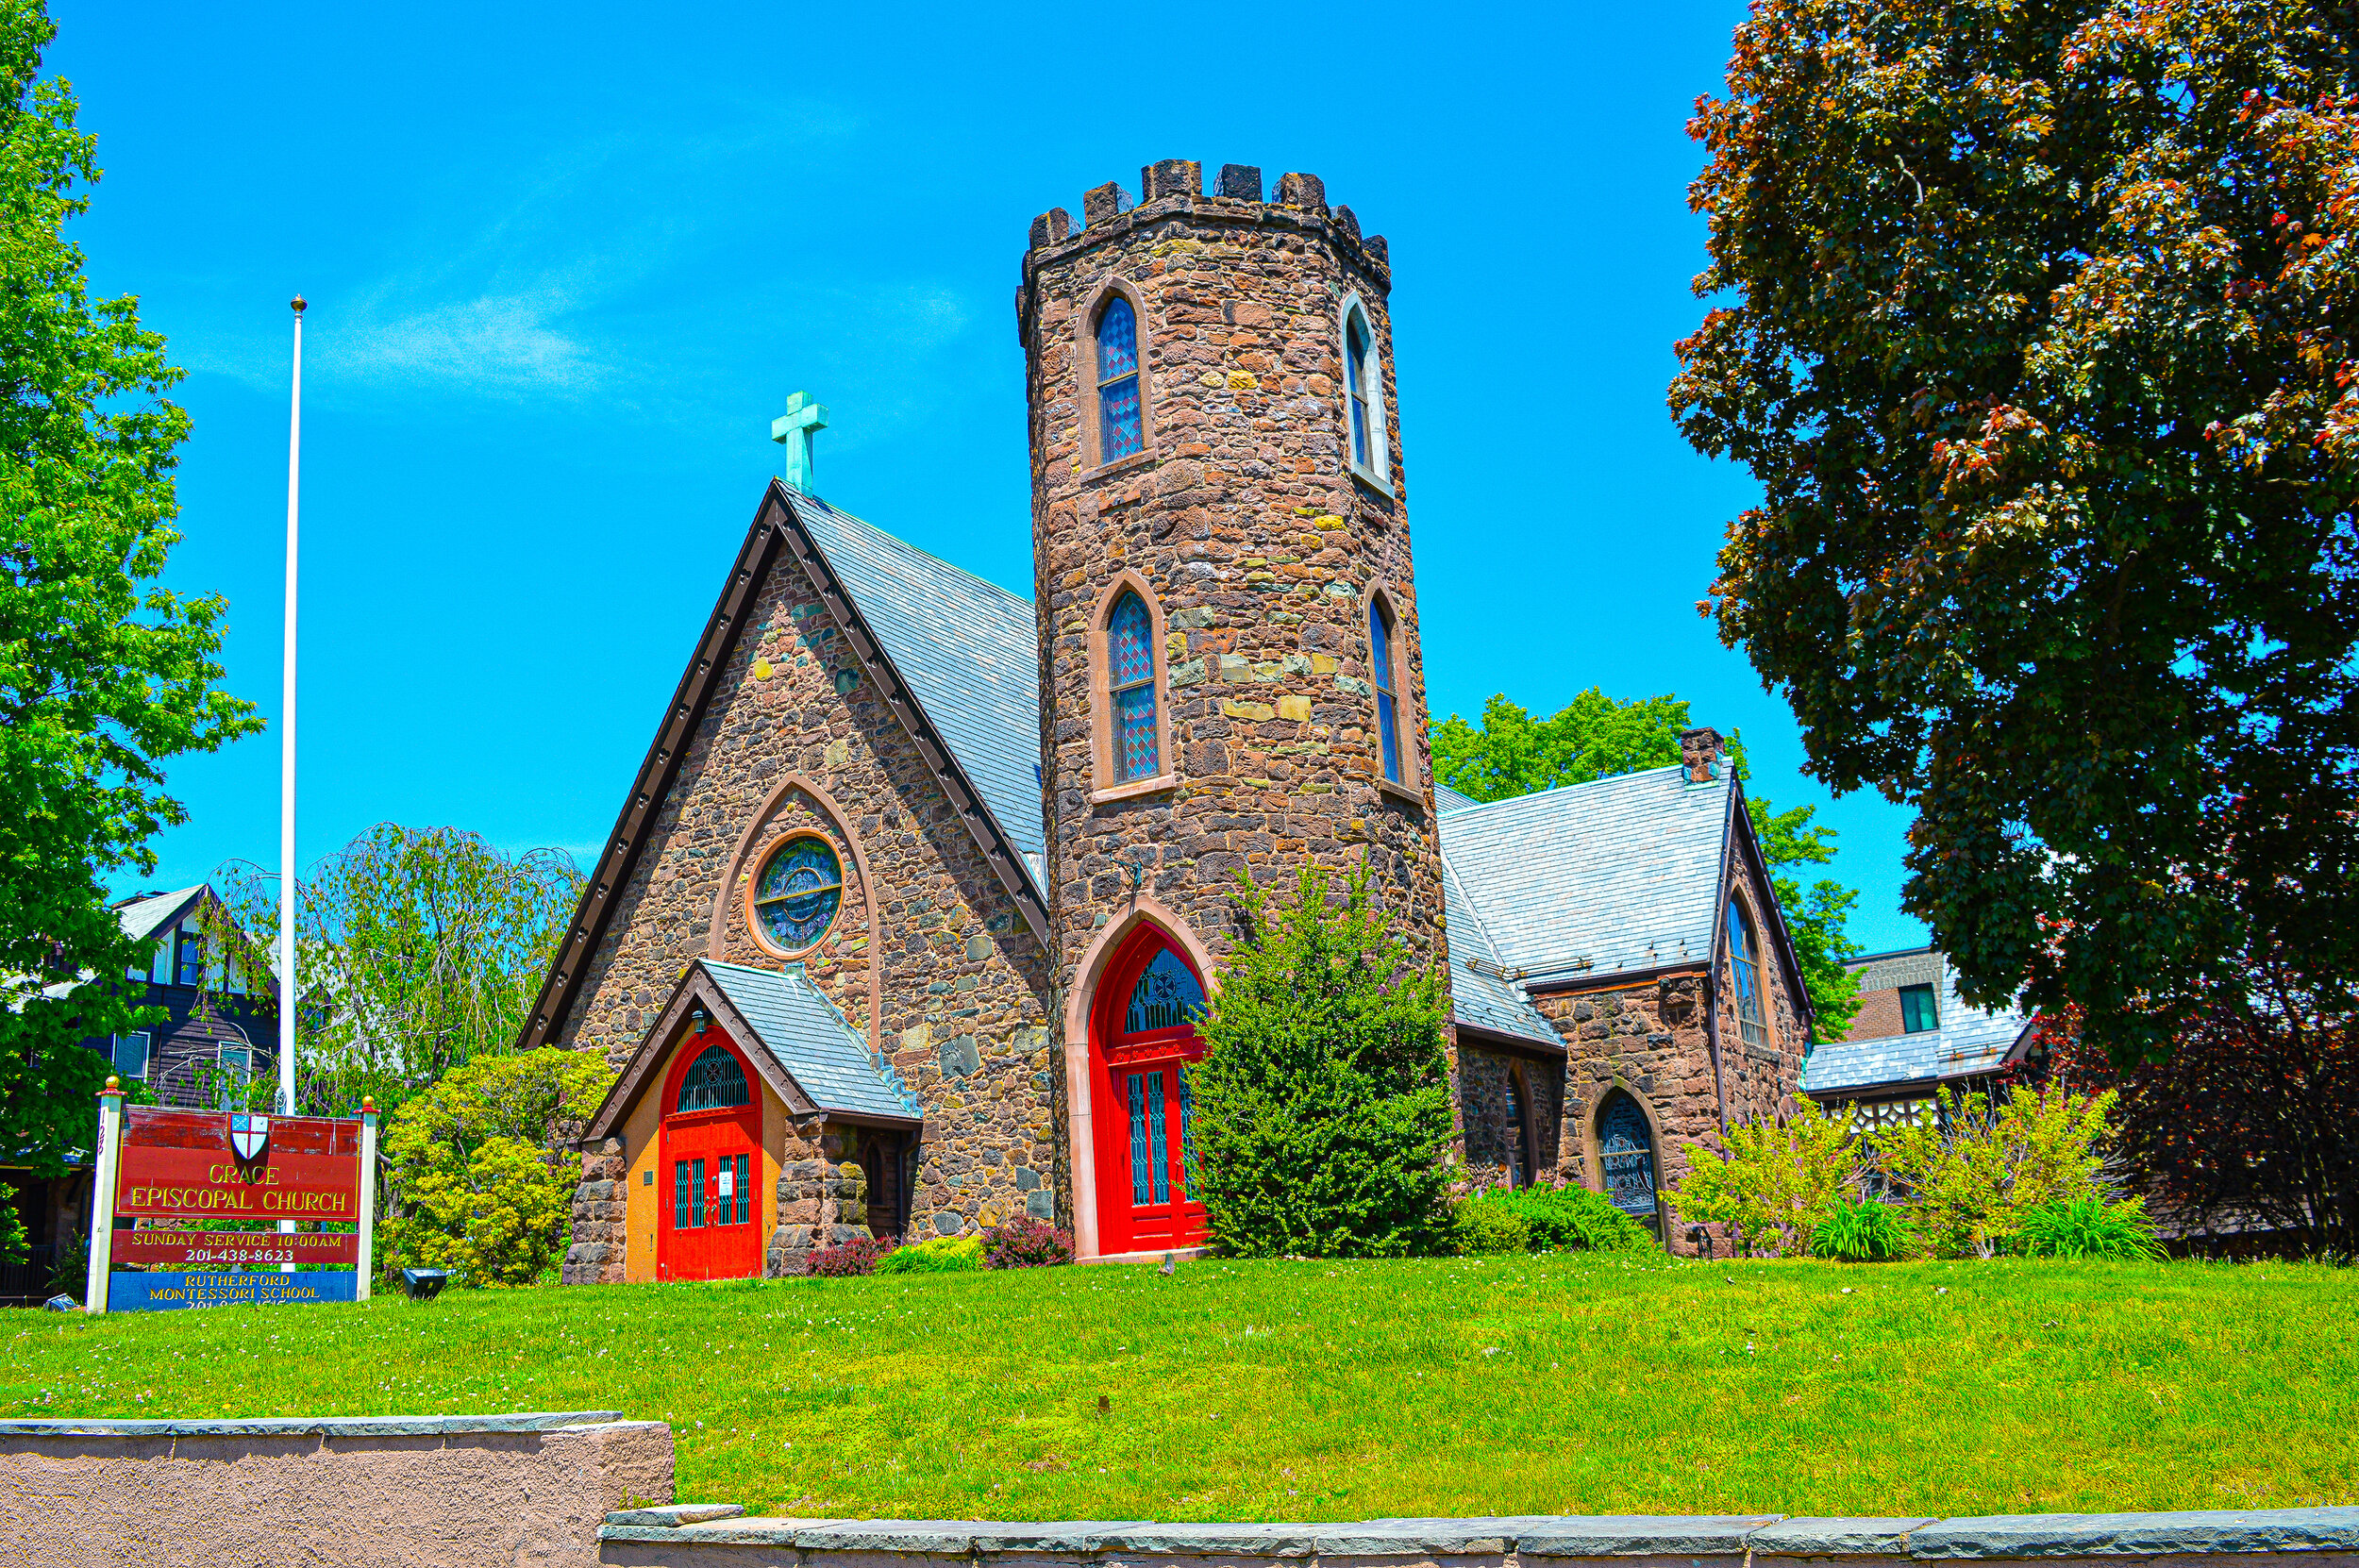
(1242, 517)
(958, 995)
(1762, 1085)
(1483, 1113)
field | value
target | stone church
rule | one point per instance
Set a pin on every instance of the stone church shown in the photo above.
(907, 912)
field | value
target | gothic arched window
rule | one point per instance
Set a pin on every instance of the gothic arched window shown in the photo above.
(714, 1081)
(1387, 702)
(1752, 1021)
(1130, 685)
(1120, 432)
(1363, 395)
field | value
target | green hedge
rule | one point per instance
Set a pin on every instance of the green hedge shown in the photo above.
(1545, 1219)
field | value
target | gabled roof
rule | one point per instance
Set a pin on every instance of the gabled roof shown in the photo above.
(143, 916)
(1970, 1041)
(1480, 997)
(969, 650)
(800, 1043)
(1624, 873)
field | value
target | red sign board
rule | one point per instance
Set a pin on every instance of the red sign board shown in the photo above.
(235, 1249)
(221, 1165)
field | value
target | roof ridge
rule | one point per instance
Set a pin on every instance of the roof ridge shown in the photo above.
(1568, 789)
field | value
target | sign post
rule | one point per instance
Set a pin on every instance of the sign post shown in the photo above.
(101, 1196)
(368, 1199)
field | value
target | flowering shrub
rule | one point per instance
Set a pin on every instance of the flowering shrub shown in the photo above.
(1025, 1242)
(1776, 1181)
(860, 1255)
(1971, 1174)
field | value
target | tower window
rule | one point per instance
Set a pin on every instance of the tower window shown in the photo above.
(1131, 683)
(1917, 1012)
(1119, 432)
(1387, 704)
(1745, 970)
(1356, 380)
(1364, 396)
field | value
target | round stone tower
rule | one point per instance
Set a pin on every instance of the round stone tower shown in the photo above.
(1230, 670)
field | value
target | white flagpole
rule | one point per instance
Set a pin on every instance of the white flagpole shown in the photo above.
(287, 991)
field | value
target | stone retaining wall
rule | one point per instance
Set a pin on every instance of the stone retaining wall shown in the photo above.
(717, 1536)
(453, 1492)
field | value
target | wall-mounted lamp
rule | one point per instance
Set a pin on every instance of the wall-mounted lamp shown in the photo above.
(698, 1018)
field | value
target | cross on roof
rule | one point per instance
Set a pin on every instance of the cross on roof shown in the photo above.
(794, 430)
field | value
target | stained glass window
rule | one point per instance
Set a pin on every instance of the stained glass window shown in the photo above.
(1130, 678)
(1626, 1145)
(799, 892)
(714, 1081)
(1118, 431)
(1166, 997)
(1187, 1127)
(1519, 1161)
(1746, 972)
(1355, 379)
(1387, 707)
(1139, 1160)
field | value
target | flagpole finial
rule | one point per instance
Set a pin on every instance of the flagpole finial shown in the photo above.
(114, 1085)
(298, 302)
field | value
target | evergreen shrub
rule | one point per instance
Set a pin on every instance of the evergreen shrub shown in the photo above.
(1864, 1232)
(1025, 1242)
(943, 1255)
(1484, 1225)
(1573, 1219)
(859, 1256)
(2088, 1227)
(1323, 1099)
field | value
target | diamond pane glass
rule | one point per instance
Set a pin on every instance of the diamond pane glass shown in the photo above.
(799, 893)
(1389, 732)
(1159, 1164)
(714, 1081)
(1187, 1127)
(1166, 997)
(1117, 341)
(1138, 1139)
(1134, 715)
(1130, 640)
(1118, 419)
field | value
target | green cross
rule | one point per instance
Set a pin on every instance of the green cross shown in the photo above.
(795, 430)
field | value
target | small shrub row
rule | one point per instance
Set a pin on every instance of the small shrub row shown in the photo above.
(1544, 1219)
(1021, 1244)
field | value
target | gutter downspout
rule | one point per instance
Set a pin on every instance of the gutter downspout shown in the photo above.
(1719, 934)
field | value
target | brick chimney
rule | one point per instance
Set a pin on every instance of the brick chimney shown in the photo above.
(1699, 755)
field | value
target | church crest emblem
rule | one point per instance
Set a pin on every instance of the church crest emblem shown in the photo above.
(249, 1135)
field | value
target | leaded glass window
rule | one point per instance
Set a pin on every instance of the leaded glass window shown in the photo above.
(1356, 381)
(1119, 433)
(714, 1082)
(1387, 705)
(1131, 681)
(1745, 971)
(1187, 1127)
(1140, 1159)
(1626, 1143)
(1518, 1161)
(799, 892)
(1167, 995)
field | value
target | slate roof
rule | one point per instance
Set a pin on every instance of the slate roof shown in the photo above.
(1478, 999)
(812, 1041)
(143, 917)
(1623, 872)
(1970, 1041)
(969, 651)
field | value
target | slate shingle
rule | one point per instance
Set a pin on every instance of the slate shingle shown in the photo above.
(1970, 1040)
(1477, 999)
(812, 1041)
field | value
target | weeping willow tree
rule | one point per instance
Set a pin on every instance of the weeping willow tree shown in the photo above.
(417, 951)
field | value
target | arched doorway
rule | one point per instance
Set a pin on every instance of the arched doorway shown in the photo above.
(707, 1203)
(1142, 1040)
(1626, 1150)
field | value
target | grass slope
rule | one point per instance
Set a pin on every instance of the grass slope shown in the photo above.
(1563, 1384)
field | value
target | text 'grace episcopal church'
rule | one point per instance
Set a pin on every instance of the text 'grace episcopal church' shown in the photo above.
(904, 918)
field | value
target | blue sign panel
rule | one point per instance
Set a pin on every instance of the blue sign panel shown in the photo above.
(165, 1292)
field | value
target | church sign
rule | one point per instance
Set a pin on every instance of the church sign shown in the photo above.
(170, 1172)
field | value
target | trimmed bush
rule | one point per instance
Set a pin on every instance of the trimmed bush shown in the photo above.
(2088, 1227)
(943, 1255)
(1323, 1100)
(1025, 1242)
(1573, 1219)
(859, 1256)
(1485, 1224)
(1864, 1232)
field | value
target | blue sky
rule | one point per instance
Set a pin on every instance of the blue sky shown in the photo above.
(565, 264)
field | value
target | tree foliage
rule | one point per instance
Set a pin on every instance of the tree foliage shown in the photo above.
(103, 676)
(481, 1167)
(1512, 753)
(418, 950)
(1322, 1102)
(2039, 342)
(1778, 1181)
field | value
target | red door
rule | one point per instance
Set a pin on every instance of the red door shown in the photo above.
(1144, 1042)
(708, 1166)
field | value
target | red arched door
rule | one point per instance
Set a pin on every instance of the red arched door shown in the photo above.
(1143, 1040)
(709, 1165)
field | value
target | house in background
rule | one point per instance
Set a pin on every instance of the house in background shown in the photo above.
(1913, 1036)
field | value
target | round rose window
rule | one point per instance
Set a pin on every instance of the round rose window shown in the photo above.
(797, 893)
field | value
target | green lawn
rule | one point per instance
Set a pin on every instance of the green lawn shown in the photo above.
(1563, 1384)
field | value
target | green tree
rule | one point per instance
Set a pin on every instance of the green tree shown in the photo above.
(1322, 1102)
(1511, 753)
(103, 675)
(418, 950)
(2039, 341)
(481, 1166)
